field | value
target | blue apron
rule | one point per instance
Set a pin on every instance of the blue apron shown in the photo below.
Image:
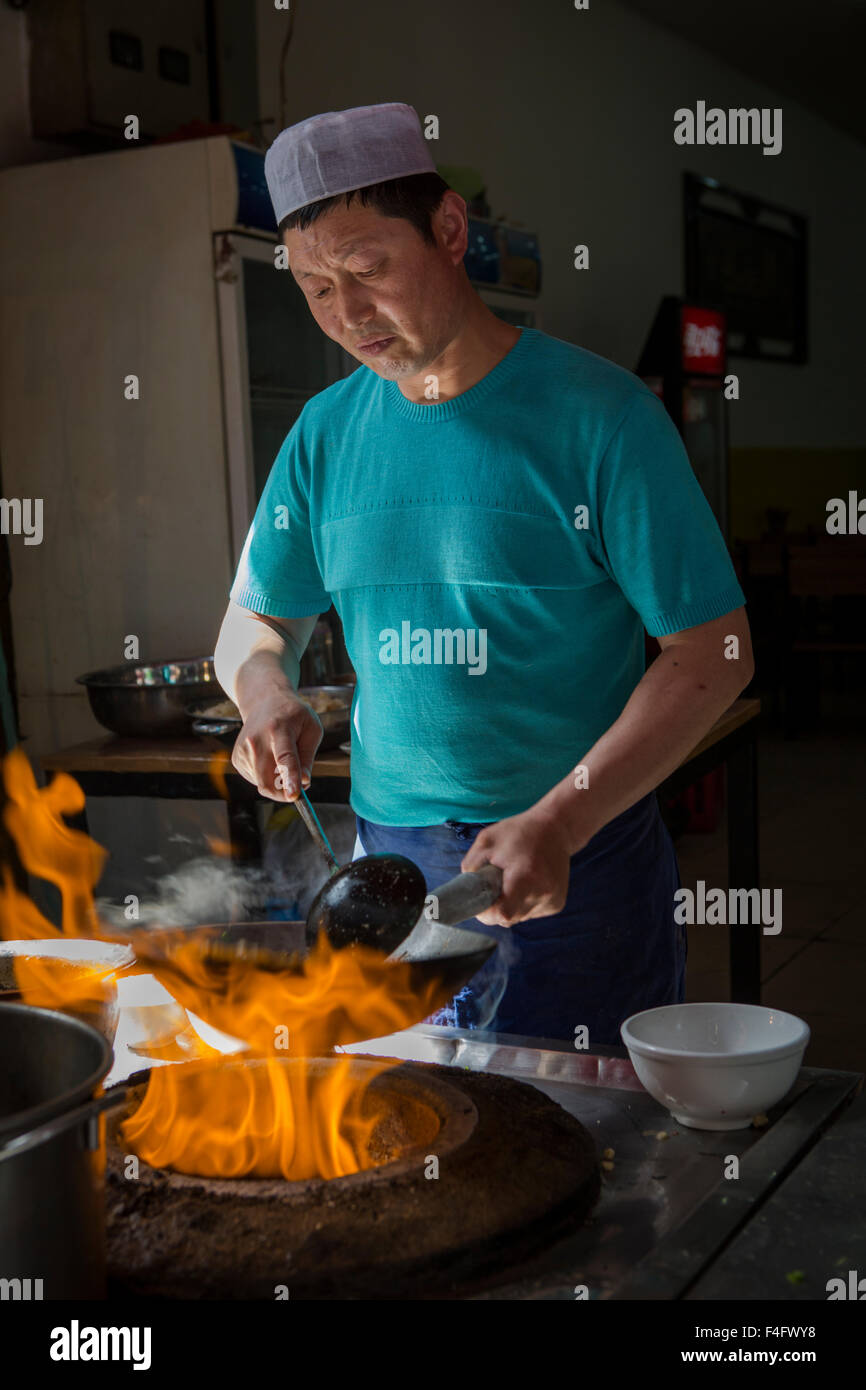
(613, 950)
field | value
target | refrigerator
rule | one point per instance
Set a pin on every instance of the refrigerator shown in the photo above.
(684, 362)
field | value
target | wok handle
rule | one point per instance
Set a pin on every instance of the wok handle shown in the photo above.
(466, 895)
(70, 1119)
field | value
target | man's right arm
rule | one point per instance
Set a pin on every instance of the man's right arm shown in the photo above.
(257, 663)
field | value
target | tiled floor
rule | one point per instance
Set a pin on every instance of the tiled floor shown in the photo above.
(813, 847)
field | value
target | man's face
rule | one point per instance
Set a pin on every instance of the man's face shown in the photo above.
(378, 289)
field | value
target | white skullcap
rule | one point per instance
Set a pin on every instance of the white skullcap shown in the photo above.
(342, 150)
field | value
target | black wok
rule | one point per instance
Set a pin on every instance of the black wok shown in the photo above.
(206, 966)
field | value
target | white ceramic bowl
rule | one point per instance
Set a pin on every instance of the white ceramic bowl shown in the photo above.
(716, 1066)
(102, 1012)
(151, 1020)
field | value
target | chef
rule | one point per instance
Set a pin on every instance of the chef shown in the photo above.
(477, 487)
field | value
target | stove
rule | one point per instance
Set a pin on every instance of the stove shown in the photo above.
(527, 1130)
(470, 1169)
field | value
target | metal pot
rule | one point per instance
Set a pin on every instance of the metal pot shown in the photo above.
(52, 1217)
(150, 698)
(334, 722)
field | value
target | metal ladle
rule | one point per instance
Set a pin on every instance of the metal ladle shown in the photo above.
(374, 901)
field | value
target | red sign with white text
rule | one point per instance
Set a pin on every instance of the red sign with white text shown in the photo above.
(703, 340)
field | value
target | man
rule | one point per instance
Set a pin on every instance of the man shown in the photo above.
(496, 515)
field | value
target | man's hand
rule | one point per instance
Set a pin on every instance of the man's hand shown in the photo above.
(277, 744)
(257, 663)
(534, 855)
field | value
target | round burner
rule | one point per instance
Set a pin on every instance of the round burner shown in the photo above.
(190, 1123)
(485, 1171)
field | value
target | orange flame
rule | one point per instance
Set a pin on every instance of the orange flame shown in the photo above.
(253, 1116)
(50, 983)
(49, 849)
(264, 1119)
(332, 998)
(217, 768)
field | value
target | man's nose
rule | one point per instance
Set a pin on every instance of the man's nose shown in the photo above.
(355, 306)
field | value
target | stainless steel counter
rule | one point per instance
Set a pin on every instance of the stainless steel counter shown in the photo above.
(666, 1212)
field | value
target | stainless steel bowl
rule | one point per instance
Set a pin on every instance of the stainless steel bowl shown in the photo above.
(150, 698)
(334, 722)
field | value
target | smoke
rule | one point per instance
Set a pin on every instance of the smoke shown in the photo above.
(200, 891)
(207, 889)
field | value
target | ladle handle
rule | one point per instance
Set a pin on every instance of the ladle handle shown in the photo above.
(70, 1119)
(311, 821)
(466, 895)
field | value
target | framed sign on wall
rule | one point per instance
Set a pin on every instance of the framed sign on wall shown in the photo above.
(748, 258)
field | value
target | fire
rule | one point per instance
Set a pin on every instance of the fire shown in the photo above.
(77, 986)
(279, 1114)
(217, 768)
(332, 998)
(49, 849)
(259, 1119)
(275, 1111)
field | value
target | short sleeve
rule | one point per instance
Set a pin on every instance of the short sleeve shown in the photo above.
(661, 543)
(278, 574)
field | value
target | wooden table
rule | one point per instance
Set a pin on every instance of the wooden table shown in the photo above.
(183, 768)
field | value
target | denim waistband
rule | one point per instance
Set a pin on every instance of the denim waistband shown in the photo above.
(628, 825)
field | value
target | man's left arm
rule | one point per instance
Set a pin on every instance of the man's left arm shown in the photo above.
(697, 676)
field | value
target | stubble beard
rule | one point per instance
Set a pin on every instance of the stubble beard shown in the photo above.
(399, 368)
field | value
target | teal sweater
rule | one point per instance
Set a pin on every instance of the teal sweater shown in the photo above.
(494, 560)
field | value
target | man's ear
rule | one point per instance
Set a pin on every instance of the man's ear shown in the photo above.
(453, 225)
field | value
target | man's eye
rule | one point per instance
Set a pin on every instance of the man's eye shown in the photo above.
(363, 274)
(319, 293)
